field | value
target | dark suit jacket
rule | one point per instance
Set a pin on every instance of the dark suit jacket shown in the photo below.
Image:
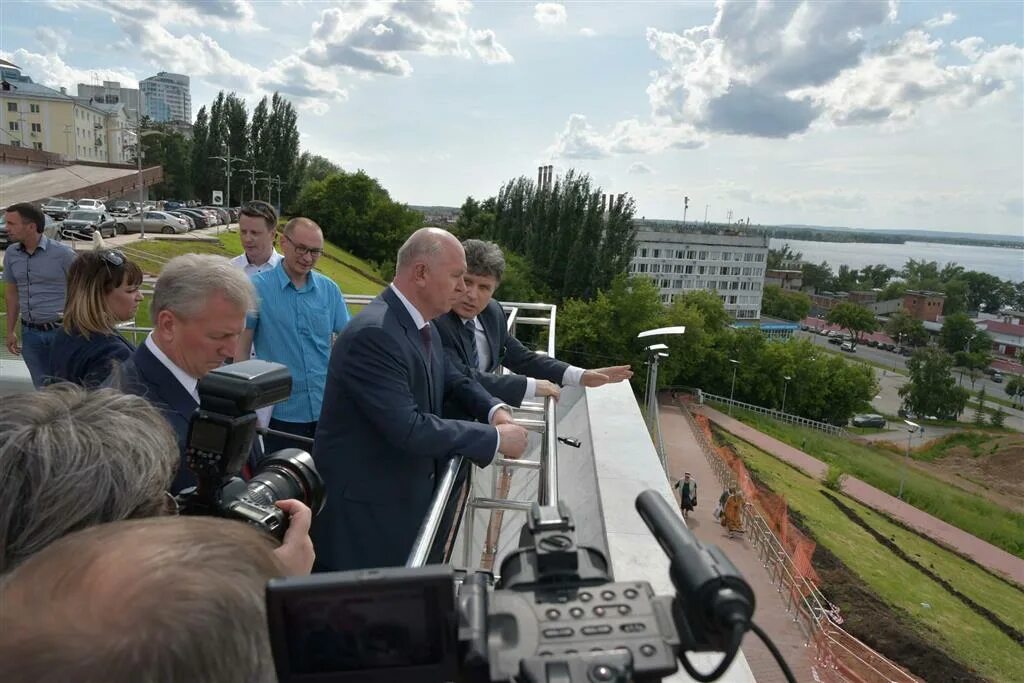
(505, 350)
(144, 375)
(87, 362)
(380, 442)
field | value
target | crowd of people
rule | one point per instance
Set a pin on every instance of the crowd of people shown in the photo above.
(91, 462)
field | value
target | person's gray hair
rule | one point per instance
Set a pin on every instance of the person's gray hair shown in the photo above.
(188, 281)
(71, 459)
(424, 244)
(161, 599)
(484, 258)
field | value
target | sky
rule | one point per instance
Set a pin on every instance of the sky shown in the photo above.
(867, 114)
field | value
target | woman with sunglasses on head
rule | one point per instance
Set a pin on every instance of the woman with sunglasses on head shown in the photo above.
(103, 290)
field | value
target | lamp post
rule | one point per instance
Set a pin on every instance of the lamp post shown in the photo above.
(967, 359)
(228, 159)
(650, 385)
(785, 386)
(732, 391)
(139, 134)
(911, 428)
(657, 332)
(277, 181)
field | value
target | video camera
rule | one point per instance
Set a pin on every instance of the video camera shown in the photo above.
(220, 437)
(555, 617)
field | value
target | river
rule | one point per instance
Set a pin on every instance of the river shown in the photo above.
(1007, 264)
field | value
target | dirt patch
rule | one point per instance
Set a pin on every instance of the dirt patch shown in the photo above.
(881, 627)
(993, 469)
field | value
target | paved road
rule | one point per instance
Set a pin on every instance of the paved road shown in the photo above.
(683, 454)
(982, 552)
(894, 360)
(131, 238)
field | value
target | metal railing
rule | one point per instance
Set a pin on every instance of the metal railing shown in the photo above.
(817, 619)
(498, 502)
(778, 415)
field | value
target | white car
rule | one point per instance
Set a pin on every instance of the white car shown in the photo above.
(91, 205)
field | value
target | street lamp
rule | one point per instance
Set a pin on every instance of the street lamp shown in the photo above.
(139, 134)
(967, 359)
(785, 386)
(652, 403)
(912, 427)
(228, 159)
(732, 392)
(651, 350)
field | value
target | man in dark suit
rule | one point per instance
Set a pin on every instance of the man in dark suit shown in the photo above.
(381, 442)
(475, 336)
(199, 307)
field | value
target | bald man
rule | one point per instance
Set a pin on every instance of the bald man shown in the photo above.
(381, 444)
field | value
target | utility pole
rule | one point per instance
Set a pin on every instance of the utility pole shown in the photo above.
(728, 217)
(252, 178)
(686, 205)
(277, 181)
(706, 207)
(228, 159)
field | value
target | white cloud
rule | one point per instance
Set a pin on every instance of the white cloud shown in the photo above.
(970, 47)
(550, 14)
(946, 19)
(894, 84)
(835, 200)
(580, 140)
(224, 15)
(587, 32)
(371, 38)
(50, 70)
(639, 168)
(54, 38)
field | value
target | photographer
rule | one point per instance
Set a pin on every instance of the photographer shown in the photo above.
(71, 459)
(172, 599)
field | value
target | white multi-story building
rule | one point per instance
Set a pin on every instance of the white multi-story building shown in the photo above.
(111, 92)
(166, 97)
(732, 266)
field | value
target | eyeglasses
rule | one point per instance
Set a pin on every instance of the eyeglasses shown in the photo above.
(302, 251)
(113, 257)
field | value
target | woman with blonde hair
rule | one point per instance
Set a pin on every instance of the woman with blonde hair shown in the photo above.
(103, 290)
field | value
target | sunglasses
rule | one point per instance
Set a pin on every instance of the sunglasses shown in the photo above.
(113, 257)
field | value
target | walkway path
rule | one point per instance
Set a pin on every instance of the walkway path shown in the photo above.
(982, 552)
(683, 454)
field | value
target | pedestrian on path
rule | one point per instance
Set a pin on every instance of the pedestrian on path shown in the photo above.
(687, 493)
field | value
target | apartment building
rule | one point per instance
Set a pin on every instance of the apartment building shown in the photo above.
(731, 265)
(167, 97)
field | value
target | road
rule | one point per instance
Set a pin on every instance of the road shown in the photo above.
(895, 360)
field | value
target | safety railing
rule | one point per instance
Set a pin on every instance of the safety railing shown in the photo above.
(777, 415)
(847, 657)
(497, 503)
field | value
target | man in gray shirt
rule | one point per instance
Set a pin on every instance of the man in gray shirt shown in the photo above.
(36, 279)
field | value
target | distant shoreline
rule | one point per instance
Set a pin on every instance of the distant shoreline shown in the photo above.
(872, 239)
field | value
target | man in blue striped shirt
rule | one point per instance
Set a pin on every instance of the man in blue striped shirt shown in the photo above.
(299, 313)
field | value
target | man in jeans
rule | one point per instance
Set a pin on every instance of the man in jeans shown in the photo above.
(36, 278)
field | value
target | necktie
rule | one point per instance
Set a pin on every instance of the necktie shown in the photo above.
(425, 336)
(469, 336)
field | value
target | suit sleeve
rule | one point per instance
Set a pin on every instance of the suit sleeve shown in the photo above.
(509, 388)
(373, 364)
(523, 361)
(98, 368)
(466, 390)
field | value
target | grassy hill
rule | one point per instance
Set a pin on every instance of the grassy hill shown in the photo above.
(921, 605)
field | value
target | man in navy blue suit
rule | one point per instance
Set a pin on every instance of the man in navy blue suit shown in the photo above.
(381, 442)
(199, 307)
(475, 337)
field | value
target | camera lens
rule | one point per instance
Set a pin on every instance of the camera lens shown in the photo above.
(288, 473)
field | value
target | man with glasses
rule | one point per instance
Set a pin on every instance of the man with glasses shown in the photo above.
(257, 228)
(299, 313)
(36, 276)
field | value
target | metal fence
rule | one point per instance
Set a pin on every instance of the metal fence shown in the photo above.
(776, 415)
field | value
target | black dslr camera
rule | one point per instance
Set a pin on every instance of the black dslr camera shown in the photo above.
(220, 438)
(556, 615)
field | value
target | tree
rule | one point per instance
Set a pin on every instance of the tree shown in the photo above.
(894, 290)
(783, 304)
(907, 329)
(932, 390)
(778, 257)
(817, 277)
(922, 275)
(1014, 388)
(853, 317)
(987, 291)
(876, 276)
(476, 219)
(311, 167)
(979, 410)
(236, 134)
(200, 164)
(956, 297)
(846, 279)
(998, 418)
(971, 347)
(358, 215)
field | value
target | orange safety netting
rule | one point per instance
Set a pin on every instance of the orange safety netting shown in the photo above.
(773, 508)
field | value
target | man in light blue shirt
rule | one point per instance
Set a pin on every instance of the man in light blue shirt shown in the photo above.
(299, 313)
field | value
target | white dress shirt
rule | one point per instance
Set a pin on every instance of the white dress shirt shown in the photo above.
(242, 261)
(187, 380)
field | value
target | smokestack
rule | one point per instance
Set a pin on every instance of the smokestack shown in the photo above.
(604, 203)
(547, 176)
(540, 177)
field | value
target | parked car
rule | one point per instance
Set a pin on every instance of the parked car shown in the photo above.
(185, 217)
(121, 207)
(154, 221)
(906, 412)
(50, 229)
(200, 219)
(835, 340)
(91, 205)
(223, 216)
(848, 347)
(873, 343)
(57, 209)
(997, 377)
(869, 420)
(171, 205)
(82, 224)
(906, 351)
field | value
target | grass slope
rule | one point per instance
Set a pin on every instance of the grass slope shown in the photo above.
(883, 470)
(934, 613)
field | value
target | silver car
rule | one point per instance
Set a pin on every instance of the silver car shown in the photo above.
(153, 221)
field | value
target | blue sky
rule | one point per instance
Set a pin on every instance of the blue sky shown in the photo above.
(871, 114)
